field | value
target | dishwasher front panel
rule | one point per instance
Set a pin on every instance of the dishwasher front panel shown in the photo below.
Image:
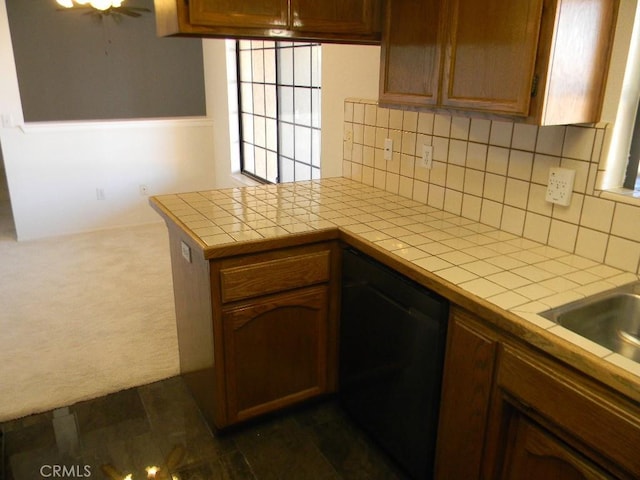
(392, 342)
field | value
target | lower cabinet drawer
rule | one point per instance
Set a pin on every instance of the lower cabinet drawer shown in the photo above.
(261, 275)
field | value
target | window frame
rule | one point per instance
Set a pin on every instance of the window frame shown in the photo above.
(311, 127)
(632, 174)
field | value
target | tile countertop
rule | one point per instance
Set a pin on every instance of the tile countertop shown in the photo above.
(510, 277)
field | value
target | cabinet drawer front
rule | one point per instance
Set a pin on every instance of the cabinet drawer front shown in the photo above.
(579, 407)
(245, 14)
(336, 16)
(274, 275)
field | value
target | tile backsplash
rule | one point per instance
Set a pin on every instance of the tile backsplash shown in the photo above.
(495, 172)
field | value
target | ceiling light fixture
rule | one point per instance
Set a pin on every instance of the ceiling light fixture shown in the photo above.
(97, 4)
(104, 7)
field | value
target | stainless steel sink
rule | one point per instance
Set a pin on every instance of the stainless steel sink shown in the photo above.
(610, 319)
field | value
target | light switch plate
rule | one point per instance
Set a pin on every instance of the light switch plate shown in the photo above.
(8, 121)
(560, 186)
(348, 137)
(186, 251)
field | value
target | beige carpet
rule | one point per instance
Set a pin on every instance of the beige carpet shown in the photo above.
(82, 315)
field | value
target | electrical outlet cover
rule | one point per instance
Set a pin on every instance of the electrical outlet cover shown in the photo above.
(426, 160)
(388, 149)
(560, 186)
(348, 135)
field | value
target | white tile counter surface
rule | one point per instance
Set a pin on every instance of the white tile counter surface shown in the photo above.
(512, 273)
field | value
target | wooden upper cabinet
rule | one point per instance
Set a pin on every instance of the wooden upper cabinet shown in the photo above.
(490, 54)
(333, 21)
(539, 61)
(246, 13)
(334, 16)
(573, 60)
(411, 51)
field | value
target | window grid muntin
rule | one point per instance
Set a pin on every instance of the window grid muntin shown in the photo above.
(294, 149)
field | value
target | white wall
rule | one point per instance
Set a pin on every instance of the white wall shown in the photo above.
(53, 172)
(347, 71)
(9, 93)
(222, 107)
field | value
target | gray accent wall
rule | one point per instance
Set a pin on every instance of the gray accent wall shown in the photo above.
(77, 66)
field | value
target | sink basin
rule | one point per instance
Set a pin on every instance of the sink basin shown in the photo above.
(610, 319)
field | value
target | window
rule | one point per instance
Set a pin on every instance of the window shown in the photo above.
(632, 176)
(620, 166)
(279, 102)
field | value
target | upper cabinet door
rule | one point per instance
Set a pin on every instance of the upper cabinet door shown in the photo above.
(411, 52)
(491, 49)
(243, 13)
(573, 60)
(336, 16)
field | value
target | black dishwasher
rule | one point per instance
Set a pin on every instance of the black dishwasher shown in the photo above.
(392, 341)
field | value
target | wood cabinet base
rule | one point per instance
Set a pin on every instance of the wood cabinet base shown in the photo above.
(511, 412)
(258, 332)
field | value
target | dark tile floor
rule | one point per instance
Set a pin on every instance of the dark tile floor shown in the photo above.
(159, 425)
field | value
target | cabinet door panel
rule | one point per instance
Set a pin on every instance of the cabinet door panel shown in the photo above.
(578, 55)
(535, 454)
(245, 13)
(585, 409)
(275, 351)
(335, 16)
(490, 54)
(410, 60)
(468, 374)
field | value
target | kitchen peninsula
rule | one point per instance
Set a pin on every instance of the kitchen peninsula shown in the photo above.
(238, 254)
